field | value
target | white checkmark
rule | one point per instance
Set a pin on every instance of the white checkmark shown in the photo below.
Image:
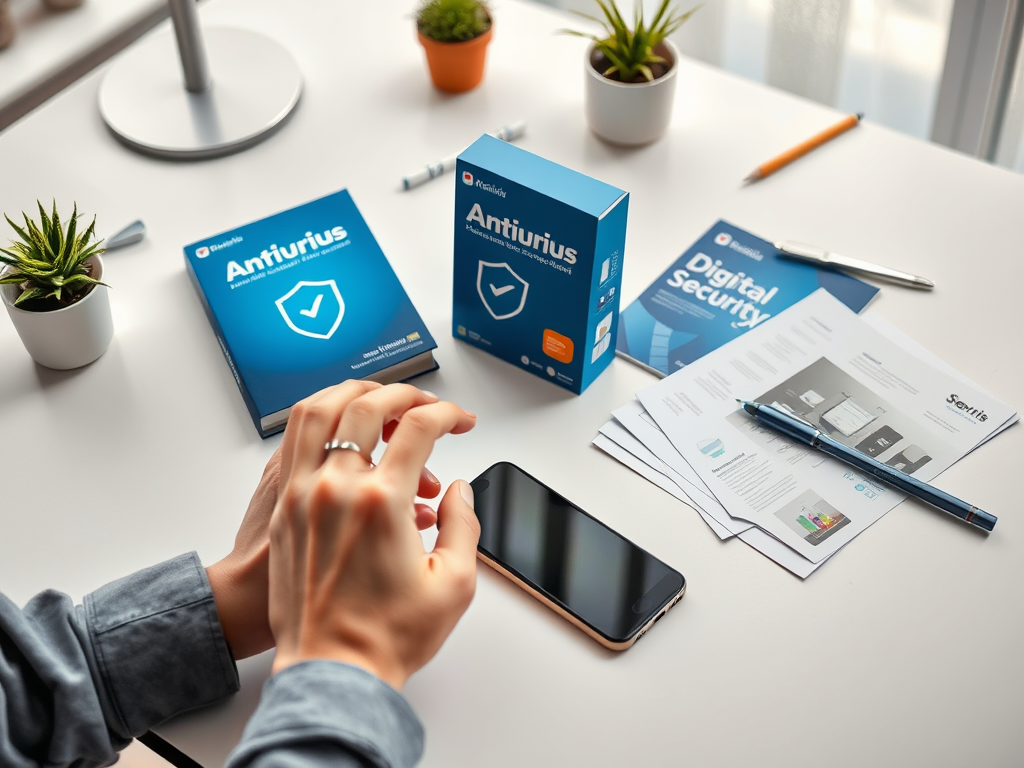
(312, 311)
(501, 291)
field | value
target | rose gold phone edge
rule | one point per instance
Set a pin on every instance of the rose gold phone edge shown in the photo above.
(610, 644)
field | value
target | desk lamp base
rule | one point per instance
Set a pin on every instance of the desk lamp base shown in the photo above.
(255, 86)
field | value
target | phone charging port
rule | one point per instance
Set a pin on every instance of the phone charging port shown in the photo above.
(659, 617)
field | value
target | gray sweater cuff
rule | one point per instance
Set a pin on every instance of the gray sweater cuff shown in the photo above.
(332, 708)
(159, 644)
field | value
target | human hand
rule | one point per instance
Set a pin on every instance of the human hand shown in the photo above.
(240, 581)
(349, 578)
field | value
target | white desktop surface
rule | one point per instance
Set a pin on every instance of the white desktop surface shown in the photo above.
(902, 650)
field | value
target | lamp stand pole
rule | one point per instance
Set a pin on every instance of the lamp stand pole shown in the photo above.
(233, 95)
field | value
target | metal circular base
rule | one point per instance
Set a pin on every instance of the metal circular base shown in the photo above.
(256, 84)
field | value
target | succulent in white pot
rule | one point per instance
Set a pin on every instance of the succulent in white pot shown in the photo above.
(631, 73)
(51, 284)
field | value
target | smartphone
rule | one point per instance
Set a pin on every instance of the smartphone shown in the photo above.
(573, 563)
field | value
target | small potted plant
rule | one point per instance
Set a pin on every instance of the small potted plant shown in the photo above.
(455, 34)
(51, 284)
(631, 73)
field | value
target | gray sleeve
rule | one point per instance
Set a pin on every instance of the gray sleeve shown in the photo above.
(320, 713)
(78, 682)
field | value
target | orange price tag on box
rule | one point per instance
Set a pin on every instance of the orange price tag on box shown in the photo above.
(557, 346)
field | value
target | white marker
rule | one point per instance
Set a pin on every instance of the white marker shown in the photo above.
(505, 133)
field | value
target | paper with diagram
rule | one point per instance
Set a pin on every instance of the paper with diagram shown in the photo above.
(822, 363)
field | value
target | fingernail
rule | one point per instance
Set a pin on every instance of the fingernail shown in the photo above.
(466, 490)
(430, 476)
(428, 393)
(470, 414)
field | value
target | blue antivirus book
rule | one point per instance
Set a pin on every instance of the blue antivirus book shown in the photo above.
(304, 299)
(538, 262)
(726, 283)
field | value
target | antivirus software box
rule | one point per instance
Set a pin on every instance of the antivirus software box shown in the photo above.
(303, 299)
(538, 262)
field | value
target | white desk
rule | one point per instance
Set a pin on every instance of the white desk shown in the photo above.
(903, 650)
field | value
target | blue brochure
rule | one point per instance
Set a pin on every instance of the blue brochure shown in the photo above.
(304, 299)
(726, 283)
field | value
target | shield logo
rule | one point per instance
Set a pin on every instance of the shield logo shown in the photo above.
(502, 291)
(313, 308)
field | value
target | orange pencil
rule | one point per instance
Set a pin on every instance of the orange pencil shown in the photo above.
(787, 157)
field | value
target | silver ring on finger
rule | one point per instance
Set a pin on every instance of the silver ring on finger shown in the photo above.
(343, 445)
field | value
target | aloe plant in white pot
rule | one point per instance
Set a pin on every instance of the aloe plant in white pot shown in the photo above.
(631, 73)
(51, 284)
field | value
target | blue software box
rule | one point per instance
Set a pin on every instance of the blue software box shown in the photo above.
(538, 262)
(304, 299)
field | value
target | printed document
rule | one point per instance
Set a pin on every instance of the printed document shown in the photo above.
(820, 362)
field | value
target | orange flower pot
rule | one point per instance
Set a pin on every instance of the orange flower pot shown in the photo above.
(456, 67)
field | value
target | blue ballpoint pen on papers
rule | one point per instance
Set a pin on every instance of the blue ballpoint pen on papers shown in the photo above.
(802, 432)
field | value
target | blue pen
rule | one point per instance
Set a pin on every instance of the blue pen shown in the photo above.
(803, 432)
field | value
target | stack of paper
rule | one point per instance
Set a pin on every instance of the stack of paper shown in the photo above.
(857, 379)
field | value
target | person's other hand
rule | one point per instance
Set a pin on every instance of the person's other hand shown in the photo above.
(349, 578)
(240, 581)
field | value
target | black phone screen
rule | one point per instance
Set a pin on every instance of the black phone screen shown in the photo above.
(575, 560)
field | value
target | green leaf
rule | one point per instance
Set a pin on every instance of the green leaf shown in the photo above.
(39, 241)
(56, 233)
(587, 35)
(611, 55)
(21, 233)
(33, 292)
(43, 219)
(673, 24)
(49, 254)
(92, 250)
(659, 14)
(615, 16)
(587, 16)
(80, 280)
(10, 257)
(609, 17)
(631, 50)
(90, 232)
(453, 21)
(72, 225)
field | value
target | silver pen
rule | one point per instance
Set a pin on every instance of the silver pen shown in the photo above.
(822, 258)
(505, 133)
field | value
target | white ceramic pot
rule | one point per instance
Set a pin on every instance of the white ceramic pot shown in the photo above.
(65, 338)
(630, 114)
